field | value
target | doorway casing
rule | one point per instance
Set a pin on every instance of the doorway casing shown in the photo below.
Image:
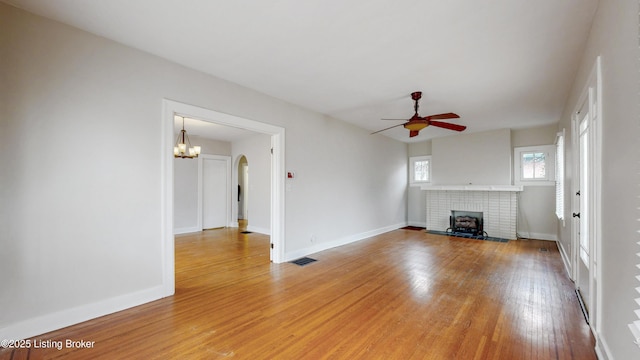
(592, 97)
(170, 108)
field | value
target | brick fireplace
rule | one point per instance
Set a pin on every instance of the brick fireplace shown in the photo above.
(498, 204)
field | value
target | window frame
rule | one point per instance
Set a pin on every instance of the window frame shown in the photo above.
(412, 174)
(549, 161)
(560, 176)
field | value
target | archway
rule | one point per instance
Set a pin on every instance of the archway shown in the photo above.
(243, 190)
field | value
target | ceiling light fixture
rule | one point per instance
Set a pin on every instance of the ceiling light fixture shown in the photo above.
(416, 125)
(181, 150)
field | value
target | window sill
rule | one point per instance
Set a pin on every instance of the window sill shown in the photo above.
(416, 184)
(536, 183)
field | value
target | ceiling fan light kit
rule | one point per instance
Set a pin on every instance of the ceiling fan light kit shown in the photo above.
(415, 126)
(417, 123)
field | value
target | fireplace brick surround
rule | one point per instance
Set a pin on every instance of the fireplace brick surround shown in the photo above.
(499, 208)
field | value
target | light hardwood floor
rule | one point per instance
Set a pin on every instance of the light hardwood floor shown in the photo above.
(401, 295)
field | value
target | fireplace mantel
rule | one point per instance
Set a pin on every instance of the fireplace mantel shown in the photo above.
(514, 188)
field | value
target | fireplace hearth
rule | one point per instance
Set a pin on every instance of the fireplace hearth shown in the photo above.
(466, 222)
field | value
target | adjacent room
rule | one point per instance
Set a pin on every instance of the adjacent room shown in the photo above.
(280, 180)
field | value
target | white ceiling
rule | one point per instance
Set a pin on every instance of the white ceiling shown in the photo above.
(498, 63)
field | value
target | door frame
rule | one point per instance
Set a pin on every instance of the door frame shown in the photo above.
(592, 95)
(169, 109)
(227, 160)
(245, 185)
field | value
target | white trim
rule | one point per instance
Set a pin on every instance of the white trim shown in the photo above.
(342, 241)
(278, 177)
(538, 236)
(257, 229)
(550, 160)
(417, 223)
(171, 107)
(591, 96)
(565, 260)
(602, 348)
(597, 201)
(186, 230)
(58, 320)
(166, 199)
(412, 161)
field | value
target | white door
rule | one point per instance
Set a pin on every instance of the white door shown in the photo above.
(214, 193)
(582, 211)
(586, 213)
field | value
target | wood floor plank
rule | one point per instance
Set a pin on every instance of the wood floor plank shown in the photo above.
(405, 294)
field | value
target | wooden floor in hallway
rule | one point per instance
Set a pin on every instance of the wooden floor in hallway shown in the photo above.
(404, 294)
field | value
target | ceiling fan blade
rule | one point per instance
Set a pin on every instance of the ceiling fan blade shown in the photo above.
(413, 133)
(386, 129)
(446, 125)
(442, 116)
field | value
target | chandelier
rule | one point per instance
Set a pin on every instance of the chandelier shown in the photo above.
(183, 148)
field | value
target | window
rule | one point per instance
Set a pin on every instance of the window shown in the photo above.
(560, 175)
(534, 165)
(420, 170)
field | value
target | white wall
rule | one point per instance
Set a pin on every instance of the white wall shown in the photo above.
(536, 204)
(345, 179)
(478, 158)
(81, 220)
(257, 150)
(614, 36)
(416, 198)
(185, 196)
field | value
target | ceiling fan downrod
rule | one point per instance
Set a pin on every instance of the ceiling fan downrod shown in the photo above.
(416, 96)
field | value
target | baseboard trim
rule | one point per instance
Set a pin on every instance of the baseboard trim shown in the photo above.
(186, 230)
(260, 230)
(58, 320)
(339, 242)
(565, 259)
(417, 223)
(602, 349)
(539, 236)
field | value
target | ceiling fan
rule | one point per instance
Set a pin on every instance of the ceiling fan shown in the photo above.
(417, 123)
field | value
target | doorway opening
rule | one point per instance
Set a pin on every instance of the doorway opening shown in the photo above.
(277, 207)
(243, 191)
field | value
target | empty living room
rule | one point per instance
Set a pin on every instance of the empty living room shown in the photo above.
(305, 180)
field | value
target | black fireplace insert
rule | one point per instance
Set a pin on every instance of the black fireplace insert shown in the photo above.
(466, 222)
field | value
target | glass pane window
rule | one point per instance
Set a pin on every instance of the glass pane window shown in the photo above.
(421, 169)
(534, 166)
